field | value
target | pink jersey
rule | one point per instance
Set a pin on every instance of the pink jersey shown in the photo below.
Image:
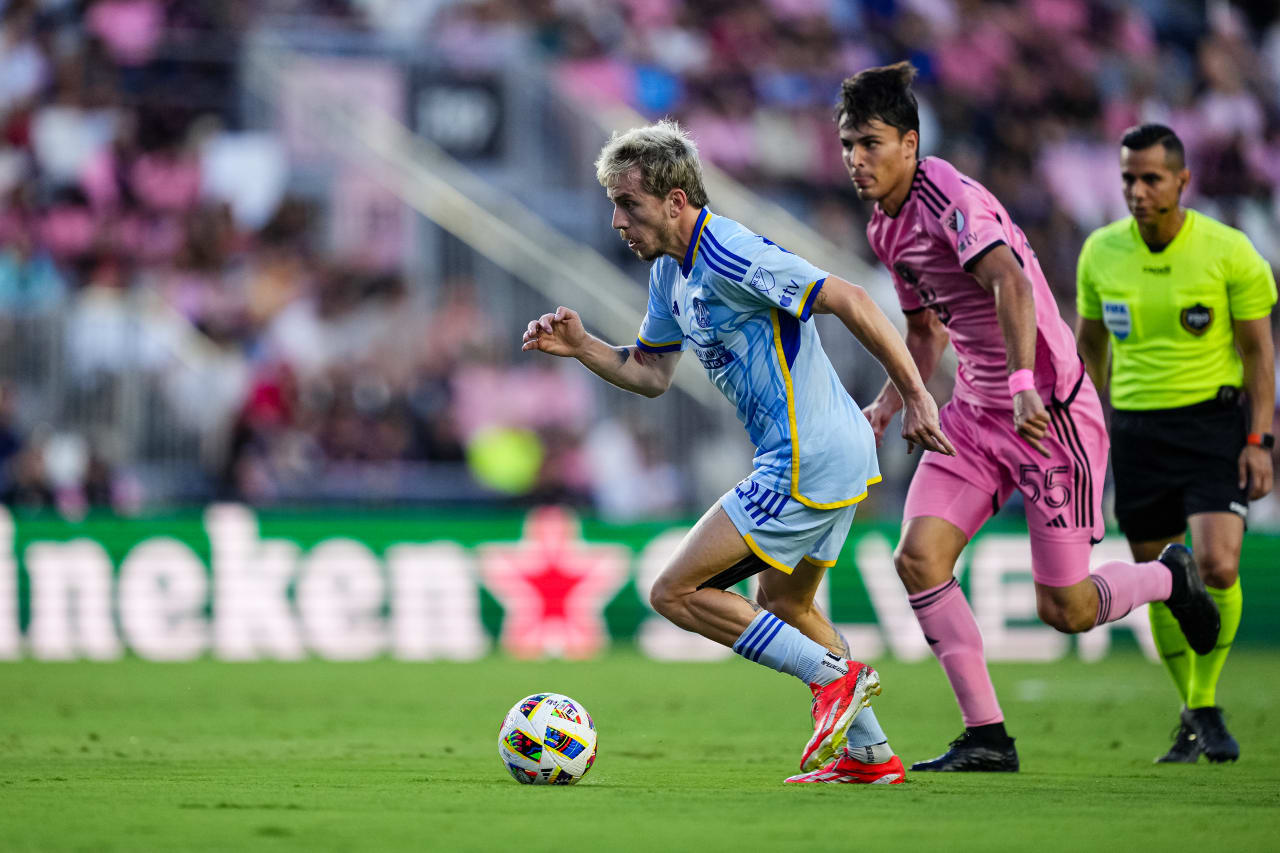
(948, 222)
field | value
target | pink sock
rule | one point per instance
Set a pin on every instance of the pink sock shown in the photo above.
(1123, 586)
(952, 632)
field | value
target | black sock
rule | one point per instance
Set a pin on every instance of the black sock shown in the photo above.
(992, 734)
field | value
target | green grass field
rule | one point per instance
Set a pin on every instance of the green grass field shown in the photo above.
(374, 756)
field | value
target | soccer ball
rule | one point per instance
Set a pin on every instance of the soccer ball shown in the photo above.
(547, 739)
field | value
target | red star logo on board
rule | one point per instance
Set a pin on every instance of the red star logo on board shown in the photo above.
(553, 586)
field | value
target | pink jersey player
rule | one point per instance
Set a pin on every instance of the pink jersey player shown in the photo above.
(944, 228)
(1024, 414)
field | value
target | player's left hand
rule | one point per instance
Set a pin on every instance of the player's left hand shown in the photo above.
(920, 426)
(1256, 471)
(1031, 419)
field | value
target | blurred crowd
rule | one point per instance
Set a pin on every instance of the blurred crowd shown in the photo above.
(183, 305)
(155, 248)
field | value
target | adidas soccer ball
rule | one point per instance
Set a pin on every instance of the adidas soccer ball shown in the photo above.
(547, 739)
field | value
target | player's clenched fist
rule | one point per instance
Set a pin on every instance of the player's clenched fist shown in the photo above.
(561, 333)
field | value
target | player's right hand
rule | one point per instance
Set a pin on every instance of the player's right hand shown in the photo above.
(920, 426)
(561, 333)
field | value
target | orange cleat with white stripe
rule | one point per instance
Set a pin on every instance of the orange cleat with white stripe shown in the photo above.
(835, 706)
(850, 771)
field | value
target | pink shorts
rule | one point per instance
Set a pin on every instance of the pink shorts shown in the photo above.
(1062, 494)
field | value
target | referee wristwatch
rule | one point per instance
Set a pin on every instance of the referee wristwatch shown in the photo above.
(1265, 440)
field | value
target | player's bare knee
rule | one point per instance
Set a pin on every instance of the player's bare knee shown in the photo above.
(664, 597)
(914, 569)
(1217, 569)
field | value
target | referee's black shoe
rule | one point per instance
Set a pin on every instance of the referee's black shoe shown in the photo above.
(1215, 741)
(1186, 745)
(1189, 602)
(970, 753)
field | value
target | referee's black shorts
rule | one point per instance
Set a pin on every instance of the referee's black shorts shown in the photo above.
(1172, 463)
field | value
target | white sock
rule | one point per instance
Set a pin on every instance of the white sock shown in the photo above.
(876, 753)
(770, 641)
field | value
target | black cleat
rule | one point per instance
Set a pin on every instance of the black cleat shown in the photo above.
(969, 754)
(1215, 741)
(1185, 749)
(1189, 602)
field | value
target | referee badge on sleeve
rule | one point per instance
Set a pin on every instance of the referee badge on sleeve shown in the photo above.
(1197, 318)
(1116, 317)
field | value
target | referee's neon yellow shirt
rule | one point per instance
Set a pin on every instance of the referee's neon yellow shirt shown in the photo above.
(1170, 312)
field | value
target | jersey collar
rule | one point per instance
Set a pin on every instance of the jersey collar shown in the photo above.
(1177, 238)
(686, 266)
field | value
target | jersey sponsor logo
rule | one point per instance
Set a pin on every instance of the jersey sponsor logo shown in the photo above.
(763, 280)
(792, 288)
(701, 313)
(1164, 270)
(906, 273)
(956, 221)
(714, 355)
(1197, 319)
(1117, 319)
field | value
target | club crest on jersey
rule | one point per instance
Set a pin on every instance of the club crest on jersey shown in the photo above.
(701, 313)
(1116, 317)
(1197, 318)
(956, 221)
(762, 280)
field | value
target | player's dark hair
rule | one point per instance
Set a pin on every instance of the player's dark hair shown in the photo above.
(882, 93)
(1144, 136)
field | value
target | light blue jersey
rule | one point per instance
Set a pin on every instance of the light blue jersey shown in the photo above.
(742, 304)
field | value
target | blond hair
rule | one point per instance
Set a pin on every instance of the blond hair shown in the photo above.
(666, 156)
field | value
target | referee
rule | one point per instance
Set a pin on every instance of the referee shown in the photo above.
(1184, 303)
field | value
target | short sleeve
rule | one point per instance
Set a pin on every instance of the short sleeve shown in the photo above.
(757, 271)
(659, 331)
(1088, 304)
(1251, 286)
(973, 227)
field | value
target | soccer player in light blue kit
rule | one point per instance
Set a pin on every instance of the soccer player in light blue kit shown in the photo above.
(744, 306)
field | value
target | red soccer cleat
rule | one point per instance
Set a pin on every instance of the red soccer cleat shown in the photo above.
(835, 706)
(850, 771)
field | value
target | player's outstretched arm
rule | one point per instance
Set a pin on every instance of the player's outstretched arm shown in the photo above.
(1094, 343)
(1000, 274)
(1253, 340)
(860, 314)
(630, 368)
(926, 339)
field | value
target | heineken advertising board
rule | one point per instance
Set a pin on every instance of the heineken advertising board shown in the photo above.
(235, 584)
